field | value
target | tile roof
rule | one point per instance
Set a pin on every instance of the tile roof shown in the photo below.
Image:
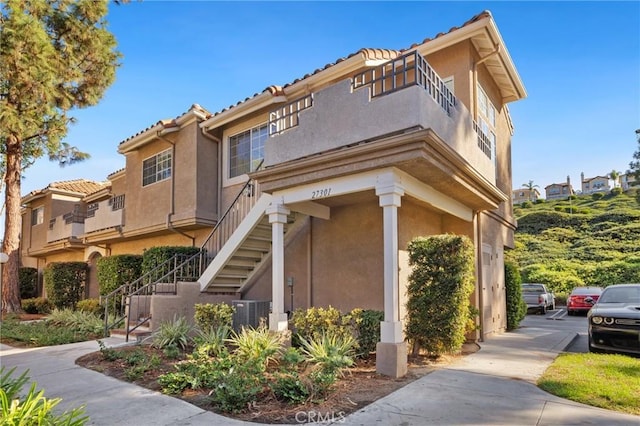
(367, 53)
(81, 186)
(171, 122)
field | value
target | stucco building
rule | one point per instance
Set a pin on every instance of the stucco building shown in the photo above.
(314, 189)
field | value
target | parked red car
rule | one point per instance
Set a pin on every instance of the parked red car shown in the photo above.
(576, 303)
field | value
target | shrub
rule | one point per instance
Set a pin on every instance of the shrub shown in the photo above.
(65, 283)
(90, 305)
(210, 342)
(115, 271)
(526, 204)
(210, 315)
(367, 324)
(540, 201)
(330, 354)
(516, 306)
(616, 191)
(314, 322)
(440, 285)
(154, 256)
(76, 321)
(290, 388)
(257, 344)
(37, 305)
(28, 279)
(597, 195)
(176, 333)
(238, 386)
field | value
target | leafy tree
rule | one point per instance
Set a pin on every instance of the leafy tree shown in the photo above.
(55, 55)
(634, 166)
(614, 175)
(531, 187)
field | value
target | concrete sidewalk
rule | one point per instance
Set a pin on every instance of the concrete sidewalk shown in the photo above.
(494, 386)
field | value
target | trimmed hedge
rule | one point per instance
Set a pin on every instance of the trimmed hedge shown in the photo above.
(154, 256)
(114, 271)
(516, 306)
(440, 285)
(28, 279)
(65, 282)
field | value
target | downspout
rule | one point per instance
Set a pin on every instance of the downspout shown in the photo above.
(477, 229)
(219, 143)
(160, 134)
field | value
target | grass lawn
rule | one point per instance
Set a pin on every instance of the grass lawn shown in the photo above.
(600, 380)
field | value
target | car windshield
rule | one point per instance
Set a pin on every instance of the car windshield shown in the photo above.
(621, 295)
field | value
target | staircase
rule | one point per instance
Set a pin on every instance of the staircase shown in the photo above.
(247, 250)
(237, 248)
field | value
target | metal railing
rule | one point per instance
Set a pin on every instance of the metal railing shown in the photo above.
(287, 116)
(116, 303)
(133, 300)
(410, 69)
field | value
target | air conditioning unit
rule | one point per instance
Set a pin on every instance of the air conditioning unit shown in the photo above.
(249, 312)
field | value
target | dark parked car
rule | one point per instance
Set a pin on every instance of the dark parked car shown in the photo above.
(576, 302)
(614, 321)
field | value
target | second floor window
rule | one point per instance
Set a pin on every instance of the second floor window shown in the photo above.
(487, 117)
(37, 216)
(246, 150)
(156, 168)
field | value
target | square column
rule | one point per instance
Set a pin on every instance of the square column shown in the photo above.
(391, 351)
(278, 218)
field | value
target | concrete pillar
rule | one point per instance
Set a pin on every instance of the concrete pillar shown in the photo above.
(278, 218)
(391, 351)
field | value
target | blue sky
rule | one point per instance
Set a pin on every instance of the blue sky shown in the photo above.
(579, 61)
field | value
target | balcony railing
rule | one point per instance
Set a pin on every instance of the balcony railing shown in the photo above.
(410, 69)
(287, 116)
(105, 214)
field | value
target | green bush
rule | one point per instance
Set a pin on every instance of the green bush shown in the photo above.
(65, 283)
(367, 324)
(526, 204)
(175, 333)
(516, 306)
(115, 271)
(597, 195)
(314, 322)
(440, 284)
(209, 315)
(90, 306)
(616, 191)
(28, 279)
(154, 256)
(540, 201)
(37, 305)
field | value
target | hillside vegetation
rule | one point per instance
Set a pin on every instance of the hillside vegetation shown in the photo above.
(586, 240)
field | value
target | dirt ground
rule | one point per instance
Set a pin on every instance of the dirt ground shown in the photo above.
(359, 387)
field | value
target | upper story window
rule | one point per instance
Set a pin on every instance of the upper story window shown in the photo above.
(486, 115)
(156, 168)
(37, 216)
(246, 150)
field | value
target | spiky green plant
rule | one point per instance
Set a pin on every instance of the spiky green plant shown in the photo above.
(176, 333)
(257, 344)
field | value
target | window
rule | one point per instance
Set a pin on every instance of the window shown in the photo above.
(246, 150)
(487, 118)
(156, 168)
(37, 216)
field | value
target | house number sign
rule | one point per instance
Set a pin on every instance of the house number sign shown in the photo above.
(324, 192)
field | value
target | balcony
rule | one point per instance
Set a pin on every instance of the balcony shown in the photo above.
(396, 97)
(66, 227)
(105, 214)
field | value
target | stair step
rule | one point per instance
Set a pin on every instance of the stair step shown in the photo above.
(237, 262)
(245, 253)
(256, 244)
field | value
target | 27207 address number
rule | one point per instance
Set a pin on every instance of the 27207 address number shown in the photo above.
(324, 192)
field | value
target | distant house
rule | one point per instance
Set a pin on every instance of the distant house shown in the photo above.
(559, 190)
(627, 181)
(594, 184)
(521, 195)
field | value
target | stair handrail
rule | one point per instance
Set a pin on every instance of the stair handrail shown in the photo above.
(223, 228)
(149, 288)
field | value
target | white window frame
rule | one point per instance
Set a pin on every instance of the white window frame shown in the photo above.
(261, 129)
(487, 119)
(162, 168)
(37, 214)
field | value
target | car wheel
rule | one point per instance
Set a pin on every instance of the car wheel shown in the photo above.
(570, 313)
(543, 310)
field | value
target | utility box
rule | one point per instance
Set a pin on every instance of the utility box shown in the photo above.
(248, 313)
